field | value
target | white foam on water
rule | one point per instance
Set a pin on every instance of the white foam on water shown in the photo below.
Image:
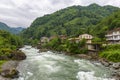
(52, 68)
(49, 63)
(89, 76)
(21, 78)
(29, 73)
(53, 56)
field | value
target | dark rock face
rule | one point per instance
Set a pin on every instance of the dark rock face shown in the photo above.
(17, 55)
(14, 55)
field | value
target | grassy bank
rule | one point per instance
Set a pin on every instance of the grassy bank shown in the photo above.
(111, 52)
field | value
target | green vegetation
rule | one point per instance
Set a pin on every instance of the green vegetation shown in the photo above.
(70, 21)
(67, 46)
(73, 21)
(107, 24)
(8, 43)
(1, 62)
(111, 52)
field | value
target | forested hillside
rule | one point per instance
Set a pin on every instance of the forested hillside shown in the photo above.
(5, 27)
(8, 44)
(107, 24)
(71, 21)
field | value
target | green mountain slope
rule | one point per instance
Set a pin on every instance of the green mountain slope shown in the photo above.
(107, 24)
(5, 27)
(71, 21)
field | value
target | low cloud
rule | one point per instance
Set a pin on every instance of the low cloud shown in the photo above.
(18, 13)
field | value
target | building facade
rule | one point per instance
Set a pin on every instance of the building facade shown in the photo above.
(44, 40)
(113, 37)
(87, 37)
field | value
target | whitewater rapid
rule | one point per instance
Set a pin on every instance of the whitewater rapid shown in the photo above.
(53, 66)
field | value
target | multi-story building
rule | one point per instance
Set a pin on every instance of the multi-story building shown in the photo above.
(113, 37)
(87, 37)
(44, 40)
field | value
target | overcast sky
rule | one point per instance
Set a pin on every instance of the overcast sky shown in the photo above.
(18, 13)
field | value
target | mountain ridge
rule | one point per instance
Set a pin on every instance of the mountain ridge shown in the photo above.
(70, 21)
(5, 27)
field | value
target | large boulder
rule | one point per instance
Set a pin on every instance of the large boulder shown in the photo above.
(10, 73)
(9, 70)
(17, 55)
(106, 64)
(116, 65)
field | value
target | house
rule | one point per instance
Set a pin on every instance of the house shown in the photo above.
(63, 37)
(113, 36)
(77, 40)
(44, 40)
(87, 37)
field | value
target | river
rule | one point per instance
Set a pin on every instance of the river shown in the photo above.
(53, 66)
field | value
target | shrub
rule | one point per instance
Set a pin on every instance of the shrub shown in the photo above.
(111, 53)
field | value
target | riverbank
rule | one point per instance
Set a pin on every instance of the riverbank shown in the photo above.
(114, 67)
(8, 69)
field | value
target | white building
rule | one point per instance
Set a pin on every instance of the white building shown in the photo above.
(44, 40)
(87, 37)
(113, 37)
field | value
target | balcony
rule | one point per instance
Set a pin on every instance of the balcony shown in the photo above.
(108, 35)
(116, 38)
(109, 39)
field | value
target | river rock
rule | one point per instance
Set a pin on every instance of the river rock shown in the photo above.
(104, 62)
(17, 55)
(9, 70)
(10, 73)
(116, 65)
(3, 78)
(83, 56)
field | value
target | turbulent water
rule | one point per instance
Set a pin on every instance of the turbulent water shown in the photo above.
(53, 66)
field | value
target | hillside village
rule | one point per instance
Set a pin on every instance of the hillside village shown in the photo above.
(87, 37)
(83, 43)
(112, 37)
(60, 40)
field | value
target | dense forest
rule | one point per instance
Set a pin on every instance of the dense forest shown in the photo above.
(107, 24)
(9, 44)
(70, 21)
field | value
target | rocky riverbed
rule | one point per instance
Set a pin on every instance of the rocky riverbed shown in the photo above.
(114, 67)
